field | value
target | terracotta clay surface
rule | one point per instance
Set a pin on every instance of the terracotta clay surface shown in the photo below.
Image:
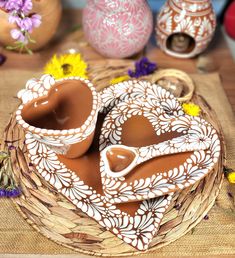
(67, 106)
(185, 27)
(79, 179)
(178, 149)
(61, 114)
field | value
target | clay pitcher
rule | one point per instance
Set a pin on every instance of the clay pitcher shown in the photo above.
(117, 28)
(50, 12)
(185, 27)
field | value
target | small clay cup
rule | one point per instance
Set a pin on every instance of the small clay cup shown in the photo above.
(61, 114)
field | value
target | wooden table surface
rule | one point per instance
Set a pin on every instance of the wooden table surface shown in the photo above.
(218, 55)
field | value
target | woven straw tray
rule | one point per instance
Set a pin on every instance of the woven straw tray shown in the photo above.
(56, 218)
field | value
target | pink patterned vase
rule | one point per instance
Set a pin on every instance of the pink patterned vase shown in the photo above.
(117, 28)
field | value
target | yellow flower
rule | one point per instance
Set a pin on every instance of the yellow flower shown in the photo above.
(231, 177)
(119, 79)
(66, 65)
(191, 109)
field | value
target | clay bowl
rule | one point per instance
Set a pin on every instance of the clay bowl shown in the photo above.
(60, 113)
(173, 151)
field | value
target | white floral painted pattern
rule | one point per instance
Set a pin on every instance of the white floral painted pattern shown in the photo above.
(117, 28)
(59, 140)
(137, 230)
(165, 115)
(195, 18)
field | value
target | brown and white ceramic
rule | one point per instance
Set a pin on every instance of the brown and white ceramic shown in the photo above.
(176, 151)
(60, 113)
(185, 27)
(79, 181)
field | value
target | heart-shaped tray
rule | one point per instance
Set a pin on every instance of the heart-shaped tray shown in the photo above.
(80, 182)
(135, 223)
(167, 164)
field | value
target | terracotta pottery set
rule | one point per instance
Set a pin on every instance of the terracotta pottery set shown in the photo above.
(118, 155)
(185, 27)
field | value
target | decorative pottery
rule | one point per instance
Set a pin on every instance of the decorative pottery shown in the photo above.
(117, 28)
(183, 149)
(79, 179)
(185, 27)
(50, 12)
(60, 113)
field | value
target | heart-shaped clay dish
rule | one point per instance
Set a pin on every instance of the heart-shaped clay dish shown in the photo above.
(66, 106)
(80, 182)
(60, 113)
(178, 149)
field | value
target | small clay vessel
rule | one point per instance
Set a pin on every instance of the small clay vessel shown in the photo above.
(60, 113)
(185, 27)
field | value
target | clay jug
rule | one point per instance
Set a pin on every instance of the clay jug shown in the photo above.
(117, 28)
(50, 12)
(185, 27)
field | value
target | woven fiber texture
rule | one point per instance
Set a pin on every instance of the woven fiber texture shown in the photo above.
(57, 219)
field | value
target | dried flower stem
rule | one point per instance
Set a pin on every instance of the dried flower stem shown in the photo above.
(8, 185)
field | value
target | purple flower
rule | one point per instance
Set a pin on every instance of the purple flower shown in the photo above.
(27, 6)
(14, 18)
(11, 147)
(36, 20)
(2, 4)
(19, 14)
(2, 59)
(14, 5)
(142, 67)
(15, 192)
(26, 24)
(2, 192)
(19, 36)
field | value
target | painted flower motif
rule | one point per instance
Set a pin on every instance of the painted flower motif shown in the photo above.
(205, 28)
(34, 87)
(187, 26)
(93, 206)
